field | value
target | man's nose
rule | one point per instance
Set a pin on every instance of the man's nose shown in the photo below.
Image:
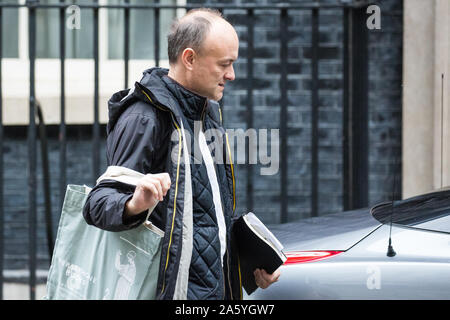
(229, 75)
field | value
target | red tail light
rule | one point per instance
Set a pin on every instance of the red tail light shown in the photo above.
(308, 256)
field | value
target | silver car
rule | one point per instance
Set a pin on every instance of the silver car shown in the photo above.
(398, 250)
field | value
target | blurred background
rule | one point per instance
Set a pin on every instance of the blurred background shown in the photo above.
(357, 89)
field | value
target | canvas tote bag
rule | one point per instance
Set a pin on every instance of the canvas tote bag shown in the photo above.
(95, 264)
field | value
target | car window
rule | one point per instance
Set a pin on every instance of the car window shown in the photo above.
(428, 211)
(440, 224)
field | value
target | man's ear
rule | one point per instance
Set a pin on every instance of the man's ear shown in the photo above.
(188, 57)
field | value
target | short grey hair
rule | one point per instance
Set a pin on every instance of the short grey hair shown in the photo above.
(190, 31)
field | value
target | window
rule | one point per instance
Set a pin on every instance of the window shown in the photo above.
(79, 42)
(79, 66)
(141, 31)
(10, 31)
(426, 211)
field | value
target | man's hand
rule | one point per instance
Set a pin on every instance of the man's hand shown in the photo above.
(149, 190)
(263, 279)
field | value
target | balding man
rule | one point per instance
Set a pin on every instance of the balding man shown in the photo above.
(158, 128)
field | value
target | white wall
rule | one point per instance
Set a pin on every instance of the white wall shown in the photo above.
(425, 58)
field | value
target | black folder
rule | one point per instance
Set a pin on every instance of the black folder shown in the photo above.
(257, 248)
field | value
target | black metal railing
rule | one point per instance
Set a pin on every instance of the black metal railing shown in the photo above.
(2, 211)
(355, 152)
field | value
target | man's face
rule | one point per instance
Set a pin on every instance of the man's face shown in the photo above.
(213, 65)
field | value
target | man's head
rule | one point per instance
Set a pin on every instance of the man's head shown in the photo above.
(202, 47)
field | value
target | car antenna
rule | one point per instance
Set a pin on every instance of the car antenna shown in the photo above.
(442, 130)
(391, 252)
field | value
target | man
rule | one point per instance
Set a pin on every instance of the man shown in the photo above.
(193, 200)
